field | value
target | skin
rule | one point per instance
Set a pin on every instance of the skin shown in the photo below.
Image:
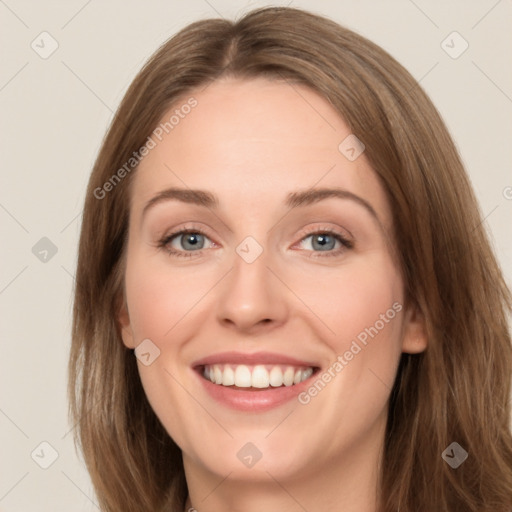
(251, 143)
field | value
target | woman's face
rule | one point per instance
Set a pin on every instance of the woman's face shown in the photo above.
(288, 298)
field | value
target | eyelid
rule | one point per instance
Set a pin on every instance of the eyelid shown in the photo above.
(326, 228)
(188, 226)
(166, 239)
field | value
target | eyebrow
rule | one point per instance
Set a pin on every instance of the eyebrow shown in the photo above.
(293, 200)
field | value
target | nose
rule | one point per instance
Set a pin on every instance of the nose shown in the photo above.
(252, 298)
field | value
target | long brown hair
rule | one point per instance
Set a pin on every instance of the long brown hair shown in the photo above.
(458, 390)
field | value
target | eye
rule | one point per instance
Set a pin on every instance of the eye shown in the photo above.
(329, 242)
(191, 242)
(184, 243)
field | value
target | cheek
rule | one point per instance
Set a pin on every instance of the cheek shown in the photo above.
(159, 299)
(158, 303)
(361, 304)
(354, 299)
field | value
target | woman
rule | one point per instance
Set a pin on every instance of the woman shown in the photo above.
(285, 298)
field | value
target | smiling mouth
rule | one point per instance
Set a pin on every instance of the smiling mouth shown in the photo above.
(256, 377)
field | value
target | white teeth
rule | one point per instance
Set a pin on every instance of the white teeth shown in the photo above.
(276, 377)
(243, 376)
(228, 379)
(217, 374)
(259, 376)
(288, 376)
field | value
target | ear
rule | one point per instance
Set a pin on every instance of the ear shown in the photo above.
(123, 319)
(414, 337)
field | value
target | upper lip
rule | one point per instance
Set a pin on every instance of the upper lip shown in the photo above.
(252, 359)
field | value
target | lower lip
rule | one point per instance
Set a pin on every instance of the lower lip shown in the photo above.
(253, 400)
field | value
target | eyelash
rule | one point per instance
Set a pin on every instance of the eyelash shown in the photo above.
(346, 244)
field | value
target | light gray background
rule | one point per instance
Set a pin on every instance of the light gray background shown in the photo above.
(54, 114)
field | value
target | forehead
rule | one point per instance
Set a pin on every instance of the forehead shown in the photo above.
(254, 141)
